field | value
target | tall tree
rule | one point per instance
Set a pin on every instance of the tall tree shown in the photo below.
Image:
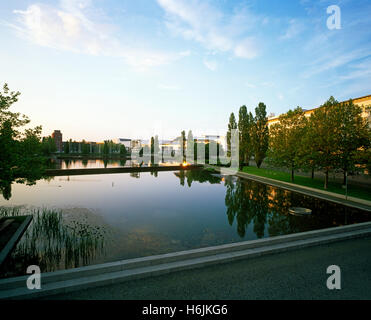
(322, 137)
(66, 147)
(260, 134)
(353, 135)
(48, 145)
(106, 149)
(231, 126)
(190, 147)
(21, 152)
(123, 151)
(183, 145)
(245, 123)
(286, 140)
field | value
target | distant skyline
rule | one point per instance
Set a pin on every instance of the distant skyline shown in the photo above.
(100, 70)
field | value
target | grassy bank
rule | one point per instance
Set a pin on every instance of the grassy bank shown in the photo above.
(336, 187)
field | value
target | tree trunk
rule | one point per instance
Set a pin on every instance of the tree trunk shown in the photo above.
(246, 161)
(344, 178)
(292, 175)
(326, 179)
(312, 173)
(258, 161)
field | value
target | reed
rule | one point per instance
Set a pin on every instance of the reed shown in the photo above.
(52, 243)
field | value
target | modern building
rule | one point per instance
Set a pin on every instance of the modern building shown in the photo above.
(125, 142)
(363, 102)
(136, 144)
(57, 136)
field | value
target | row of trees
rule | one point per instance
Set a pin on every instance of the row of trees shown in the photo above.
(86, 148)
(334, 138)
(190, 150)
(253, 134)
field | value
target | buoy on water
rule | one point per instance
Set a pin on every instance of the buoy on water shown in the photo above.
(299, 211)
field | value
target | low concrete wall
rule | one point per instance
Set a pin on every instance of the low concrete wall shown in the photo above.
(15, 238)
(353, 202)
(111, 273)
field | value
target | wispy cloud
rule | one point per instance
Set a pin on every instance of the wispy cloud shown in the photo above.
(169, 87)
(294, 29)
(214, 30)
(211, 64)
(68, 27)
(334, 60)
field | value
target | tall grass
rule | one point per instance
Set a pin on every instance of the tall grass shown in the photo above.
(52, 243)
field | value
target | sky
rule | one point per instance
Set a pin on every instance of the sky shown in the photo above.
(104, 69)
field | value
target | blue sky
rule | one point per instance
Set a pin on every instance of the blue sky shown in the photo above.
(101, 69)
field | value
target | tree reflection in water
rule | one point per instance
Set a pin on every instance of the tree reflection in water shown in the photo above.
(29, 177)
(266, 206)
(53, 243)
(245, 205)
(197, 175)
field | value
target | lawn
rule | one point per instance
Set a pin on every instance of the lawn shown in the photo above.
(353, 191)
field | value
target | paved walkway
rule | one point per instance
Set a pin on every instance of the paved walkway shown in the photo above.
(299, 274)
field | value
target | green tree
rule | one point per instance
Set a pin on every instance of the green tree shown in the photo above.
(191, 156)
(245, 124)
(8, 156)
(352, 137)
(15, 119)
(183, 142)
(106, 148)
(123, 151)
(48, 145)
(85, 148)
(21, 155)
(260, 134)
(231, 126)
(286, 140)
(152, 145)
(322, 137)
(66, 147)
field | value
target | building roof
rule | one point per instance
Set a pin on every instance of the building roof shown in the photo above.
(355, 101)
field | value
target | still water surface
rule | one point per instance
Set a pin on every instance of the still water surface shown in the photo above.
(102, 163)
(141, 214)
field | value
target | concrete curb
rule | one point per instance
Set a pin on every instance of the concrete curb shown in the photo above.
(332, 194)
(15, 238)
(64, 281)
(316, 193)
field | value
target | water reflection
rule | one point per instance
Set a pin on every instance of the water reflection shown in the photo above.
(82, 163)
(28, 176)
(53, 243)
(267, 209)
(159, 212)
(197, 175)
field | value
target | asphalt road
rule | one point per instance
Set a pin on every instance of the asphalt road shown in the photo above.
(299, 274)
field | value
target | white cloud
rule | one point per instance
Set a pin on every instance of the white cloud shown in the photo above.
(246, 49)
(295, 28)
(168, 87)
(211, 64)
(68, 27)
(250, 85)
(201, 22)
(334, 60)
